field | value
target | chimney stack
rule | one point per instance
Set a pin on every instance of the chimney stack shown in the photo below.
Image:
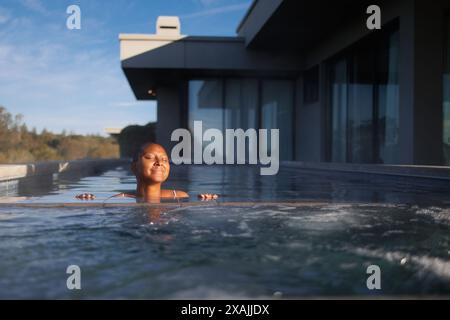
(168, 26)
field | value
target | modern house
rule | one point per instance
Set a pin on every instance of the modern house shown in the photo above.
(337, 91)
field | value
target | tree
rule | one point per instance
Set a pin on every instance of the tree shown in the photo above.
(19, 145)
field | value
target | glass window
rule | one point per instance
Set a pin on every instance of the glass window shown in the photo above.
(311, 86)
(360, 107)
(388, 102)
(241, 104)
(364, 101)
(277, 113)
(234, 104)
(339, 111)
(205, 103)
(446, 98)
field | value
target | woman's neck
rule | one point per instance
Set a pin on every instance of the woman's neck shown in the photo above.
(148, 191)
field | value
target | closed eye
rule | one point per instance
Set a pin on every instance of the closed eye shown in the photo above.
(149, 156)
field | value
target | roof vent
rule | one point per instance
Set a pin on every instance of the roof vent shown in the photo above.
(168, 26)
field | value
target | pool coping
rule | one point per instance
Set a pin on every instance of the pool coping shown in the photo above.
(9, 172)
(174, 205)
(413, 171)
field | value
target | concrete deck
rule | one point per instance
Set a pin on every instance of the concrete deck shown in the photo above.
(19, 171)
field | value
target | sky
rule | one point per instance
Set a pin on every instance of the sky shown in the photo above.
(61, 79)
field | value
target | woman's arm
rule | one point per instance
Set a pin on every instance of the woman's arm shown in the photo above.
(174, 194)
(90, 196)
(181, 194)
(177, 194)
(165, 194)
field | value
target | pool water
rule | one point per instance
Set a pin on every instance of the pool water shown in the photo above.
(235, 183)
(299, 234)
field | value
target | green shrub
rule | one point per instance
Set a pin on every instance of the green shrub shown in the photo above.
(20, 145)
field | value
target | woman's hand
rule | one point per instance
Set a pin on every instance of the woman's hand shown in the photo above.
(208, 196)
(85, 196)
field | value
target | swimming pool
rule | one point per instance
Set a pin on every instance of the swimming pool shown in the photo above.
(302, 233)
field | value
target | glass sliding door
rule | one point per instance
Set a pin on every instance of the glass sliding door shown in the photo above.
(206, 103)
(339, 97)
(361, 107)
(241, 108)
(446, 98)
(388, 102)
(224, 104)
(245, 104)
(364, 102)
(277, 113)
(241, 104)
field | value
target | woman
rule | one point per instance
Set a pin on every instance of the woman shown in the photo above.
(151, 167)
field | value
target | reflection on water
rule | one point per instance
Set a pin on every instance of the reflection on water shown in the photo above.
(236, 183)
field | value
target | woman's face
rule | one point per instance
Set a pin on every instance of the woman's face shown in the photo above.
(153, 164)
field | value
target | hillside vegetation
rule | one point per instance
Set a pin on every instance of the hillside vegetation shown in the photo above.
(18, 144)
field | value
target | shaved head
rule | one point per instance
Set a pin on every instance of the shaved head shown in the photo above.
(147, 147)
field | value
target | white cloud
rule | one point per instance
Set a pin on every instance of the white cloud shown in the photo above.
(35, 5)
(216, 11)
(208, 3)
(60, 79)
